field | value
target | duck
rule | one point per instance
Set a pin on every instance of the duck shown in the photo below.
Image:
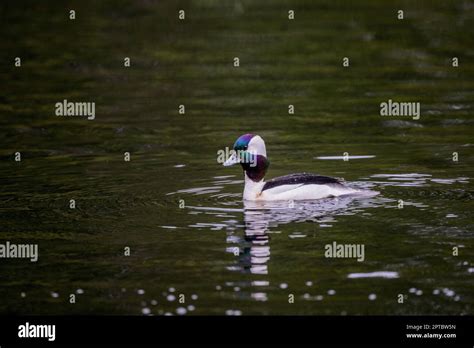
(250, 152)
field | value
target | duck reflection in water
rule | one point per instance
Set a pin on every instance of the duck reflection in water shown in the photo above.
(260, 218)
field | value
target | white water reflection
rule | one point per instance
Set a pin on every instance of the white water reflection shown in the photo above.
(345, 158)
(414, 180)
(261, 219)
(379, 274)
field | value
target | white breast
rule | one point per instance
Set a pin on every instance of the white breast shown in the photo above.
(252, 189)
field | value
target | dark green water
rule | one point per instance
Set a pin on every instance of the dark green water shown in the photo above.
(173, 156)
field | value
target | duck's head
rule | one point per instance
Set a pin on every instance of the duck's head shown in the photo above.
(250, 152)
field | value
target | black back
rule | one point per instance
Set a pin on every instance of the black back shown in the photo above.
(301, 179)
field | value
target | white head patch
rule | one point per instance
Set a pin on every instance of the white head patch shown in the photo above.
(257, 146)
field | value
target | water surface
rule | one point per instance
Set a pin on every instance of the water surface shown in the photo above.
(227, 257)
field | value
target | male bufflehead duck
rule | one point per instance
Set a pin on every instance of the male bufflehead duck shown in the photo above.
(251, 153)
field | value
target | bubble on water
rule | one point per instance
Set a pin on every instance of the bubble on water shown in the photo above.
(309, 283)
(191, 308)
(233, 312)
(418, 293)
(331, 292)
(218, 287)
(343, 313)
(140, 291)
(379, 274)
(448, 292)
(236, 288)
(54, 294)
(465, 263)
(79, 291)
(259, 296)
(168, 314)
(372, 297)
(171, 289)
(470, 269)
(146, 311)
(124, 290)
(23, 295)
(457, 298)
(306, 296)
(194, 297)
(283, 286)
(260, 283)
(412, 290)
(319, 298)
(169, 227)
(451, 216)
(171, 297)
(297, 235)
(436, 292)
(181, 311)
(154, 302)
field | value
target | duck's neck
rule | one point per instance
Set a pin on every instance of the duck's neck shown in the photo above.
(252, 188)
(254, 173)
(256, 169)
